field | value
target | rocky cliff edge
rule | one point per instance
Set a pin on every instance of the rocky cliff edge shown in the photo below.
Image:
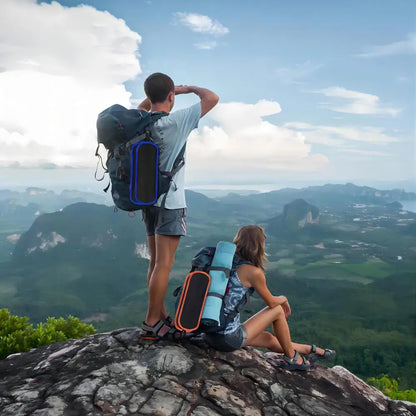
(118, 374)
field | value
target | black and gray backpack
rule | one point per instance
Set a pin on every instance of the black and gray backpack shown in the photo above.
(133, 157)
(192, 294)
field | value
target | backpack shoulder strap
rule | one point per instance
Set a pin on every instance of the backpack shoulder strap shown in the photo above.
(156, 115)
(244, 300)
(148, 119)
(179, 161)
(177, 164)
(239, 261)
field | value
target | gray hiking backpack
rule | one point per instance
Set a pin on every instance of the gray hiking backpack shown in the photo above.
(133, 157)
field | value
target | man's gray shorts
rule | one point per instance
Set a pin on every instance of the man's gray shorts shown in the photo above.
(164, 221)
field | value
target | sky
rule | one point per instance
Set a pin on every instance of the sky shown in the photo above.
(311, 92)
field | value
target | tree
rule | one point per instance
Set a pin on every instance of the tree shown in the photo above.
(390, 387)
(18, 335)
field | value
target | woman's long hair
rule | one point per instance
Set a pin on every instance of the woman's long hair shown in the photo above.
(250, 242)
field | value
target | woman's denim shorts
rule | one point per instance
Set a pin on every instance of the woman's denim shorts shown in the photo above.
(228, 342)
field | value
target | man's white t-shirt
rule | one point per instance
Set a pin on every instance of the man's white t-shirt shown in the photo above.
(170, 133)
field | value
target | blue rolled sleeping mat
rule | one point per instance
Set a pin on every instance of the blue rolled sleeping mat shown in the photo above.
(223, 260)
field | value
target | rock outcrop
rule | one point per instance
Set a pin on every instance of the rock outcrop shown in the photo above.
(294, 217)
(118, 374)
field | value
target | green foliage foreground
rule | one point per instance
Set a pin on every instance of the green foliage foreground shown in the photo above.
(18, 335)
(390, 387)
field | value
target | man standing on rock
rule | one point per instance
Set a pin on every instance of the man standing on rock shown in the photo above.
(165, 221)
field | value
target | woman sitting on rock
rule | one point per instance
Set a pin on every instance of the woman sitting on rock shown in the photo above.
(249, 275)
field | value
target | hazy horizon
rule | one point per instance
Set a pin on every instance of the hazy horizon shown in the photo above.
(83, 180)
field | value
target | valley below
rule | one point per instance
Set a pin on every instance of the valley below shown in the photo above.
(344, 255)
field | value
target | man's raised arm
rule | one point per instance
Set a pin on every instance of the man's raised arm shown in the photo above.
(208, 98)
(145, 105)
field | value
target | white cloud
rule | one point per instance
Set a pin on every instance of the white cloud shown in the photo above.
(402, 47)
(337, 136)
(357, 102)
(78, 41)
(366, 152)
(206, 45)
(59, 67)
(201, 24)
(242, 146)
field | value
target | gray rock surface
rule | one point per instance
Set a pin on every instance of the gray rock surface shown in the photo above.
(118, 374)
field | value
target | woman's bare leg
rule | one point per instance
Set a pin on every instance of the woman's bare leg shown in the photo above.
(256, 325)
(281, 342)
(269, 341)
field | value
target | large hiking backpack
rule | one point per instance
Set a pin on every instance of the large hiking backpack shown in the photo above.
(201, 302)
(133, 157)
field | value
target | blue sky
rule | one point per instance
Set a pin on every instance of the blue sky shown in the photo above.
(310, 91)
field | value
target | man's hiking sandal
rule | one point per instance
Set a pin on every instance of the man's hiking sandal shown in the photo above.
(312, 357)
(168, 321)
(158, 331)
(290, 363)
(161, 330)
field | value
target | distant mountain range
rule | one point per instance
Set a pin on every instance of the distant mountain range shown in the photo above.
(81, 259)
(344, 255)
(81, 227)
(328, 196)
(287, 207)
(21, 208)
(89, 257)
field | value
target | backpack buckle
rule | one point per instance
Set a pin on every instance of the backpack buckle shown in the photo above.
(121, 174)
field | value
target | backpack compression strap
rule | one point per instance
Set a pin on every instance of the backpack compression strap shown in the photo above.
(226, 270)
(237, 262)
(99, 161)
(244, 300)
(177, 166)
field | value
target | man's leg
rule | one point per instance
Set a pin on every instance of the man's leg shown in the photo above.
(165, 248)
(151, 244)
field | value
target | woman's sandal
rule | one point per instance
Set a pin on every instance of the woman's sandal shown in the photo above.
(291, 363)
(161, 330)
(312, 357)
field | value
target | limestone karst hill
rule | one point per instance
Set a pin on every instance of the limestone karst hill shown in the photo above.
(295, 216)
(118, 374)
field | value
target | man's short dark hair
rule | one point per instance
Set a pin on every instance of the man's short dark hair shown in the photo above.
(157, 87)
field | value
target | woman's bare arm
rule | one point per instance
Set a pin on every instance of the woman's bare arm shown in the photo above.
(256, 279)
